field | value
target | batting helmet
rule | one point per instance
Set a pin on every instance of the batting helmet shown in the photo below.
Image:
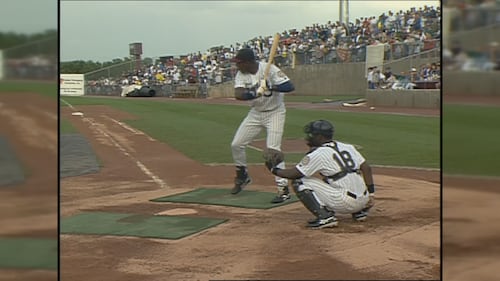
(319, 127)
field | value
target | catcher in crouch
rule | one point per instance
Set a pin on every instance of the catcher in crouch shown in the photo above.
(345, 185)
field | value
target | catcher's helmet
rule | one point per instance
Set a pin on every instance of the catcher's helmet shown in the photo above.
(319, 127)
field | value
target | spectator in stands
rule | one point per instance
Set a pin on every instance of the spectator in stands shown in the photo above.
(176, 77)
(388, 72)
(376, 78)
(403, 82)
(414, 76)
(380, 77)
(369, 78)
(160, 79)
(389, 81)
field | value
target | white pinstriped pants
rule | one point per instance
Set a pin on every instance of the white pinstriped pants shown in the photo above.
(274, 123)
(334, 196)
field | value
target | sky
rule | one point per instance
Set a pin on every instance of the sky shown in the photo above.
(28, 16)
(102, 30)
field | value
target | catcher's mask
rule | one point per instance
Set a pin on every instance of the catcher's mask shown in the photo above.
(319, 128)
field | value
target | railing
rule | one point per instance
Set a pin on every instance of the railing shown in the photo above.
(358, 54)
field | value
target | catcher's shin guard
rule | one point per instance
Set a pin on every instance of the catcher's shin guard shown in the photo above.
(307, 198)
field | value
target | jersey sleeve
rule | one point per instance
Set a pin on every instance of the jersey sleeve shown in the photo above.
(356, 156)
(239, 82)
(277, 76)
(311, 163)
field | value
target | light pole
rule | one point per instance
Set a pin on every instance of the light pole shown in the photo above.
(344, 11)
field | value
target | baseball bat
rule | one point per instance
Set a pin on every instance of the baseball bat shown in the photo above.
(272, 53)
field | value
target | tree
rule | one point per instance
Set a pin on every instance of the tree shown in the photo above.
(147, 61)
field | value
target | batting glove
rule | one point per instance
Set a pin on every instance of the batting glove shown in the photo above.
(261, 90)
(265, 86)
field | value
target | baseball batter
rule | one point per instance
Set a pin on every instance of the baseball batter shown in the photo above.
(333, 177)
(267, 112)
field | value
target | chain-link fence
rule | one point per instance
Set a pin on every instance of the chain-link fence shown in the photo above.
(34, 60)
(393, 51)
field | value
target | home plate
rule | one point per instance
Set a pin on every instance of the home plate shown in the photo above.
(77, 114)
(177, 211)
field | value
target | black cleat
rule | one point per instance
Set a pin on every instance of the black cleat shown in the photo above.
(323, 223)
(239, 184)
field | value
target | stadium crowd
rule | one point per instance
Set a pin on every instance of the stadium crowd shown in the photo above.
(404, 33)
(467, 15)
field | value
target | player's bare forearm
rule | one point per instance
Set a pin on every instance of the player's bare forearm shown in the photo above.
(291, 173)
(366, 170)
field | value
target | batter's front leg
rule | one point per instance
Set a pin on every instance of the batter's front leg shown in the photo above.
(249, 129)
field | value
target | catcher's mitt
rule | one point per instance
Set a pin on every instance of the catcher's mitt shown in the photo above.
(273, 157)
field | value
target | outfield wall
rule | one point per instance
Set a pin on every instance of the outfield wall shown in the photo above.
(344, 79)
(471, 83)
(390, 98)
(404, 98)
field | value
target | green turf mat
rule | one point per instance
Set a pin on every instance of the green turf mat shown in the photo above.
(210, 196)
(119, 224)
(28, 253)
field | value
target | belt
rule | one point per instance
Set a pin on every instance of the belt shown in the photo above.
(354, 195)
(338, 175)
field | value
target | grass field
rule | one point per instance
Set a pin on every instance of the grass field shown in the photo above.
(66, 127)
(204, 132)
(318, 99)
(44, 88)
(471, 140)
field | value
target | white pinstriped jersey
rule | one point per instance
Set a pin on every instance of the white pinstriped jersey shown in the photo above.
(327, 161)
(267, 112)
(276, 77)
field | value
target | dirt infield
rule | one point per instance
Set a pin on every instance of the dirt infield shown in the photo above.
(400, 240)
(29, 209)
(470, 234)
